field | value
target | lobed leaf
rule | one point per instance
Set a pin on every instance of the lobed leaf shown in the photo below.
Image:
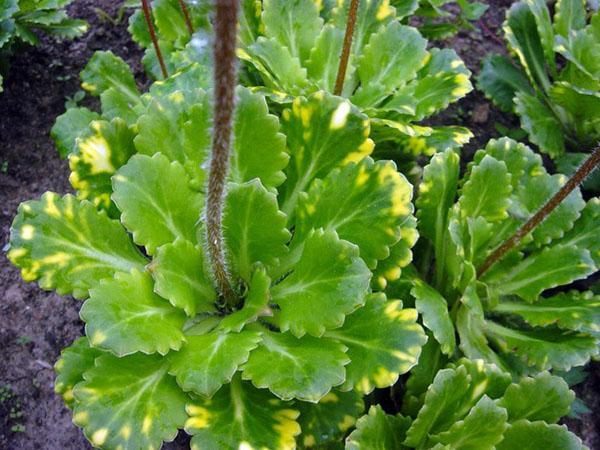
(378, 431)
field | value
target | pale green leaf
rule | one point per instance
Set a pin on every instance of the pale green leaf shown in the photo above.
(207, 361)
(69, 245)
(181, 275)
(105, 71)
(322, 66)
(156, 203)
(569, 15)
(74, 361)
(384, 341)
(294, 23)
(366, 203)
(259, 146)
(115, 105)
(124, 315)
(170, 22)
(106, 147)
(328, 420)
(328, 282)
(434, 311)
(303, 368)
(254, 228)
(525, 435)
(240, 415)
(74, 123)
(322, 132)
(129, 403)
(543, 397)
(378, 431)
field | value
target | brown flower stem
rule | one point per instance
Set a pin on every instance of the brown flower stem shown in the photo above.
(225, 80)
(576, 179)
(341, 75)
(186, 17)
(148, 16)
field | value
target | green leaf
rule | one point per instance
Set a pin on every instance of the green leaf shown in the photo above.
(125, 316)
(181, 275)
(294, 23)
(74, 123)
(434, 310)
(170, 22)
(584, 234)
(255, 304)
(481, 429)
(74, 361)
(322, 66)
(177, 124)
(115, 105)
(328, 420)
(366, 203)
(303, 368)
(100, 153)
(322, 132)
(378, 431)
(259, 146)
(545, 348)
(328, 282)
(526, 435)
(239, 415)
(551, 267)
(569, 15)
(384, 341)
(544, 28)
(482, 198)
(254, 228)
(500, 80)
(157, 206)
(69, 245)
(543, 127)
(129, 402)
(392, 57)
(521, 31)
(544, 397)
(105, 71)
(208, 361)
(573, 310)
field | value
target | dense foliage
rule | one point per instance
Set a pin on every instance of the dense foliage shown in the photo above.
(334, 294)
(555, 85)
(19, 19)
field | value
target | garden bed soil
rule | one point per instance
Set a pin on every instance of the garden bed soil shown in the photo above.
(35, 325)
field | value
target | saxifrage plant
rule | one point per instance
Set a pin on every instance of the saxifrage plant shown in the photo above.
(502, 306)
(291, 50)
(474, 405)
(162, 341)
(19, 19)
(555, 86)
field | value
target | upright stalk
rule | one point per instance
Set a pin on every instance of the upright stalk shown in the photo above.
(225, 79)
(576, 179)
(148, 16)
(341, 75)
(186, 17)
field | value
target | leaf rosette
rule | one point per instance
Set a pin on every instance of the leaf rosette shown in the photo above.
(293, 48)
(163, 352)
(512, 315)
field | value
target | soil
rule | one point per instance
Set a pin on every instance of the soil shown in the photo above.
(35, 325)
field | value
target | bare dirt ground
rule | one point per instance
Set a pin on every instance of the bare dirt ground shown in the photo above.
(35, 325)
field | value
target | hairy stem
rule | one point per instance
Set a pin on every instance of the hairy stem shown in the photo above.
(225, 79)
(186, 16)
(148, 16)
(576, 179)
(341, 75)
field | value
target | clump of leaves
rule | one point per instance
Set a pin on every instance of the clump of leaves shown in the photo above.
(507, 315)
(182, 30)
(471, 404)
(20, 19)
(163, 349)
(555, 85)
(294, 48)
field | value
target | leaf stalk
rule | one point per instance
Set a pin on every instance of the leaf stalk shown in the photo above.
(225, 80)
(576, 179)
(341, 74)
(147, 9)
